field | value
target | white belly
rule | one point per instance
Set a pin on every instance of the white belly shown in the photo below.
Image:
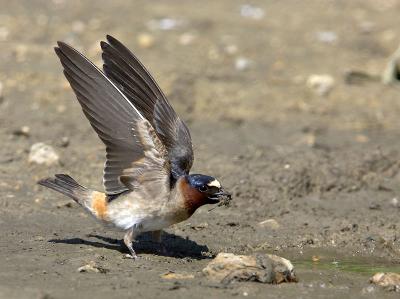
(141, 218)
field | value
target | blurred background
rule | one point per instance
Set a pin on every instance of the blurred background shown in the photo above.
(287, 107)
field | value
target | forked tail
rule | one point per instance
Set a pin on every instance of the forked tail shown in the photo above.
(66, 185)
(95, 202)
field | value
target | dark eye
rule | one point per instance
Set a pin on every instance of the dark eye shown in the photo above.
(203, 188)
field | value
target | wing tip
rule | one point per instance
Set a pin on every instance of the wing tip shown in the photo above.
(104, 45)
(62, 45)
(45, 181)
(57, 50)
(111, 39)
(62, 48)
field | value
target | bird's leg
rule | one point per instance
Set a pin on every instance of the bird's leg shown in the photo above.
(128, 239)
(157, 237)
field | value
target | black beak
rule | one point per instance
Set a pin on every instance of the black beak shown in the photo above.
(221, 197)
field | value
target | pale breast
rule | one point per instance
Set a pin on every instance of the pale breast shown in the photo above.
(145, 215)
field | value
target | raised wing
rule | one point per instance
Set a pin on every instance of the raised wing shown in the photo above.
(151, 174)
(110, 113)
(132, 78)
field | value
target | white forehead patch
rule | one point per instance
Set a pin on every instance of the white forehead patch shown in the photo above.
(214, 183)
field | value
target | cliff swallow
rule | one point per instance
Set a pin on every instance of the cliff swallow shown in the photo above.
(148, 147)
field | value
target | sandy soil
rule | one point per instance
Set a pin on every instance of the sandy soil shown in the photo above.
(325, 168)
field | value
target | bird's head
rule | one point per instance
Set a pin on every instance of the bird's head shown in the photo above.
(203, 189)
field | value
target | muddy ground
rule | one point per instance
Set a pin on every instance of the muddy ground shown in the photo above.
(326, 168)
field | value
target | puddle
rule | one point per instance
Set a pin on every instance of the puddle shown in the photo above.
(333, 261)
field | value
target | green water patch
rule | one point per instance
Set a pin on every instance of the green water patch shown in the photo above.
(346, 265)
(333, 261)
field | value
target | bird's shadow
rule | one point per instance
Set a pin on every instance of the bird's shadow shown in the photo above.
(176, 246)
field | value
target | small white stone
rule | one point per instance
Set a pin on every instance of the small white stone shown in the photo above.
(368, 290)
(329, 37)
(269, 223)
(231, 49)
(92, 267)
(394, 202)
(186, 39)
(386, 279)
(145, 40)
(320, 84)
(23, 131)
(252, 12)
(242, 64)
(164, 24)
(41, 153)
(64, 141)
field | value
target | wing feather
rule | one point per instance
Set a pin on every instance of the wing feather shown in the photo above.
(139, 87)
(110, 113)
(151, 174)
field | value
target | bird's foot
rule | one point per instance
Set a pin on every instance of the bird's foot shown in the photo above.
(131, 256)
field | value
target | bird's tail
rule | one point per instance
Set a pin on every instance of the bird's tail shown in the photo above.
(93, 201)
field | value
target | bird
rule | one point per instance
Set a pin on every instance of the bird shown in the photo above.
(147, 182)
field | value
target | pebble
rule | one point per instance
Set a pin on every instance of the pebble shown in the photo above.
(251, 12)
(186, 39)
(66, 204)
(92, 267)
(145, 40)
(62, 108)
(23, 131)
(264, 268)
(269, 223)
(164, 24)
(315, 258)
(41, 153)
(388, 279)
(321, 84)
(231, 49)
(374, 206)
(64, 142)
(394, 202)
(38, 238)
(368, 290)
(200, 226)
(242, 64)
(173, 275)
(329, 37)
